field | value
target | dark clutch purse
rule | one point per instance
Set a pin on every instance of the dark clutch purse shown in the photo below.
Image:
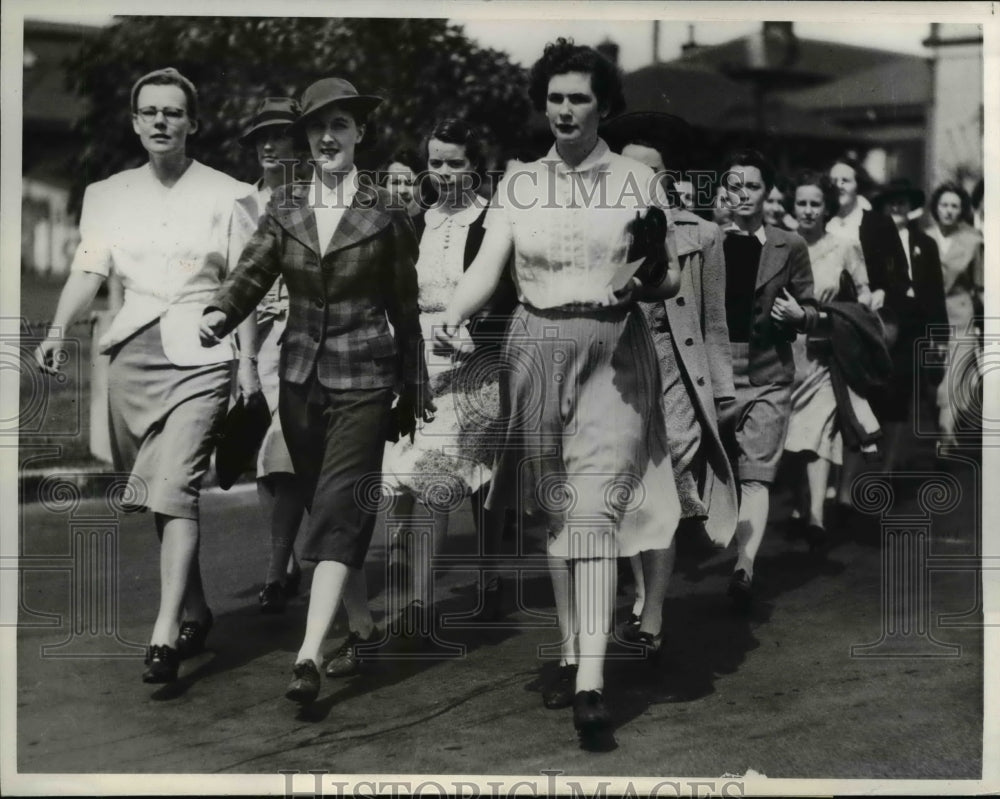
(242, 433)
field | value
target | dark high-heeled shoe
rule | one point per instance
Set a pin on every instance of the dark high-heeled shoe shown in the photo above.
(304, 687)
(193, 634)
(630, 630)
(163, 663)
(651, 644)
(818, 539)
(559, 693)
(272, 598)
(590, 713)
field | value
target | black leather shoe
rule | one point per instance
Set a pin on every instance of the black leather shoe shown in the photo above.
(817, 539)
(630, 630)
(740, 590)
(304, 687)
(651, 644)
(191, 640)
(559, 693)
(590, 714)
(162, 662)
(346, 661)
(273, 598)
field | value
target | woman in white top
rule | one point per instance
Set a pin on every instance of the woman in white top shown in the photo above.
(163, 229)
(839, 274)
(450, 457)
(585, 442)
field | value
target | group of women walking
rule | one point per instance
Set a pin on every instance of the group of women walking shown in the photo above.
(531, 350)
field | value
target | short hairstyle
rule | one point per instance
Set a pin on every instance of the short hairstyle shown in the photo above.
(408, 157)
(168, 76)
(810, 177)
(964, 199)
(865, 182)
(562, 56)
(749, 157)
(457, 131)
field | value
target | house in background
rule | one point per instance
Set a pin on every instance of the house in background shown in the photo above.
(48, 232)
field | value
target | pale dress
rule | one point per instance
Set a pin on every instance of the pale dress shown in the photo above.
(813, 425)
(585, 443)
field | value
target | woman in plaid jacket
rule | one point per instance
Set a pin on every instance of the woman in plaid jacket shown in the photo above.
(347, 259)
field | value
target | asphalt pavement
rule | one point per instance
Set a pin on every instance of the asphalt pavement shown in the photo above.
(863, 664)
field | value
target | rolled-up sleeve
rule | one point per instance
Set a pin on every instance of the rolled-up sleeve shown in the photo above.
(93, 254)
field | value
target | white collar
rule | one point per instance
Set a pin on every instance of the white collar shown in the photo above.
(760, 234)
(598, 158)
(434, 217)
(342, 196)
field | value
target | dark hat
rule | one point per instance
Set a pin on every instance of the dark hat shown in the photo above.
(242, 433)
(672, 137)
(898, 187)
(271, 112)
(335, 90)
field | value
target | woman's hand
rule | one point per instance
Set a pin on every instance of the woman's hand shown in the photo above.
(786, 311)
(51, 354)
(828, 294)
(247, 376)
(878, 299)
(451, 338)
(629, 292)
(414, 404)
(212, 324)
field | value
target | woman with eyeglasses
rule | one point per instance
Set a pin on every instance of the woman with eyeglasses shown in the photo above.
(162, 228)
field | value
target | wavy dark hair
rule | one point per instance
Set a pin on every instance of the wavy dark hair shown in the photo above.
(821, 180)
(457, 131)
(562, 56)
(963, 197)
(750, 157)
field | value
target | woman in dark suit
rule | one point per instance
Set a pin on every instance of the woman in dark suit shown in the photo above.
(348, 260)
(919, 310)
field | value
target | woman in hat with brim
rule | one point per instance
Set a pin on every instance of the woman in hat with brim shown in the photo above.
(162, 228)
(916, 306)
(353, 336)
(267, 134)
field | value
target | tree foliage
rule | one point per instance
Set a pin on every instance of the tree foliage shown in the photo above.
(424, 68)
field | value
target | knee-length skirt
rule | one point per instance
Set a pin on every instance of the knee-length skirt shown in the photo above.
(585, 442)
(164, 419)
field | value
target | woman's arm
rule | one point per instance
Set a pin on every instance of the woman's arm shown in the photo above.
(76, 297)
(481, 278)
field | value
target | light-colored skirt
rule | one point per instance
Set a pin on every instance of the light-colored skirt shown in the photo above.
(451, 456)
(272, 457)
(163, 420)
(585, 443)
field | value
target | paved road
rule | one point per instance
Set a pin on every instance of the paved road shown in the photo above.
(777, 692)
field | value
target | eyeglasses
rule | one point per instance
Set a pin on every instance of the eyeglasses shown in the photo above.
(149, 113)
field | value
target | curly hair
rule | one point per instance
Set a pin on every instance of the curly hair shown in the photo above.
(562, 56)
(963, 198)
(810, 177)
(457, 131)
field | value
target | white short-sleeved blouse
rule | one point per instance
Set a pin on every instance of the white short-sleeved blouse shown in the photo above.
(169, 247)
(569, 224)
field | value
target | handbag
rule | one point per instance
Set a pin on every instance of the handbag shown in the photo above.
(239, 439)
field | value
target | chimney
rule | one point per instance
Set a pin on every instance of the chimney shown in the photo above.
(690, 46)
(609, 50)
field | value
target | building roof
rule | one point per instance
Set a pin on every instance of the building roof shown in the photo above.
(812, 56)
(712, 101)
(905, 81)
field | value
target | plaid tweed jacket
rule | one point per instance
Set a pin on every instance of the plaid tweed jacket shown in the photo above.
(341, 304)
